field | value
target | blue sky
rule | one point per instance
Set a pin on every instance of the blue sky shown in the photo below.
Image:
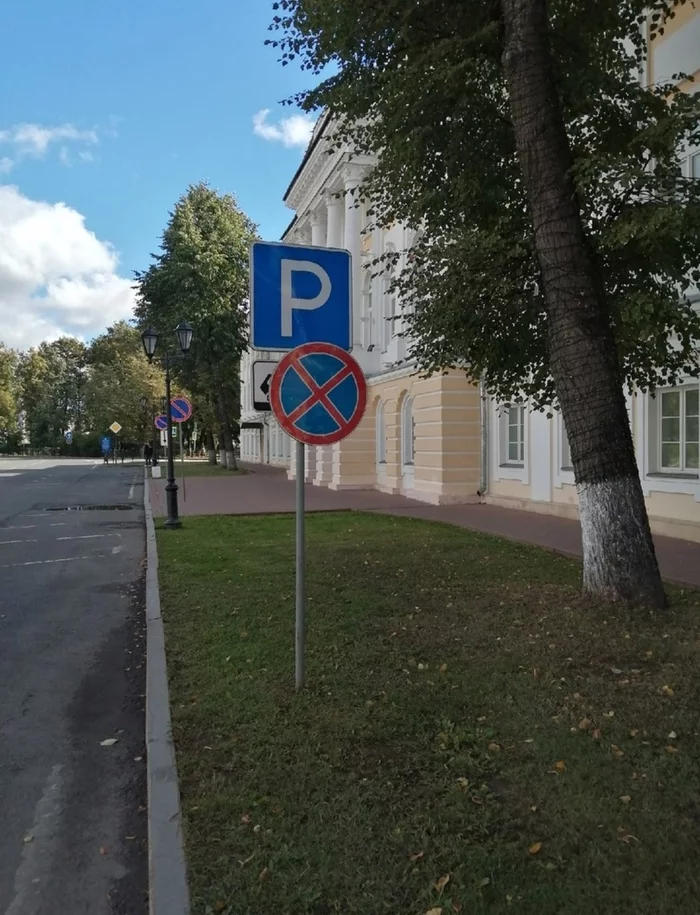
(130, 102)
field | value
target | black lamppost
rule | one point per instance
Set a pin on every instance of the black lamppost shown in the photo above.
(150, 341)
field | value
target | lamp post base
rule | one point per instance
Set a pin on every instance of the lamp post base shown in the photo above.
(172, 520)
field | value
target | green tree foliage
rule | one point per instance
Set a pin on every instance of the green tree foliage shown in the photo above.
(555, 226)
(8, 397)
(201, 275)
(119, 379)
(51, 381)
(423, 81)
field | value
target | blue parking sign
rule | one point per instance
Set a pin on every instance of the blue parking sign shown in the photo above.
(299, 294)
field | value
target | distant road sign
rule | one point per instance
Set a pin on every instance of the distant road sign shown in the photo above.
(299, 295)
(180, 409)
(69, 437)
(116, 428)
(106, 444)
(318, 394)
(262, 378)
(161, 422)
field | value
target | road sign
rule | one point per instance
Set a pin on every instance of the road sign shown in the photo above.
(116, 428)
(163, 437)
(106, 444)
(69, 437)
(262, 377)
(318, 394)
(299, 295)
(161, 422)
(180, 409)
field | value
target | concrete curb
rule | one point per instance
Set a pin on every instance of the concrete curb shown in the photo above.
(167, 870)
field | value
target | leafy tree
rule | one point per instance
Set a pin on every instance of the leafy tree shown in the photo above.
(554, 225)
(51, 383)
(119, 378)
(8, 396)
(201, 275)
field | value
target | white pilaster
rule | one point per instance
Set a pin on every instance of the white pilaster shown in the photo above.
(352, 243)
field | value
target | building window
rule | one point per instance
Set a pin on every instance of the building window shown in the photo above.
(408, 433)
(695, 166)
(678, 441)
(380, 434)
(513, 421)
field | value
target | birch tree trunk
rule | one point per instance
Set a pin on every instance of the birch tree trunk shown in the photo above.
(619, 562)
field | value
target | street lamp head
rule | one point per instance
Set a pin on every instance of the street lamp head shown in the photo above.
(184, 335)
(149, 338)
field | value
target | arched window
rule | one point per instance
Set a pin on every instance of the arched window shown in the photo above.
(408, 433)
(380, 434)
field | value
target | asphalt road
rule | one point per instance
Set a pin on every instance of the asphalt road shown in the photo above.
(72, 674)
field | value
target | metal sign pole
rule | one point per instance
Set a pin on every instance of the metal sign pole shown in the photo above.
(182, 464)
(300, 621)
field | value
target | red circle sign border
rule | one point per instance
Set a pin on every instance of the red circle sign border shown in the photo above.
(312, 349)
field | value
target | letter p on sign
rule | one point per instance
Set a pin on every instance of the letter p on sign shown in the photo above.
(290, 302)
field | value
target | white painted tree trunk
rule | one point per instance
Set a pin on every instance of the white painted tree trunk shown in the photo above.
(619, 562)
(231, 460)
(211, 455)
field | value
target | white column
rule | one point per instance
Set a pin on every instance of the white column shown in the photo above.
(318, 228)
(334, 212)
(353, 228)
(334, 239)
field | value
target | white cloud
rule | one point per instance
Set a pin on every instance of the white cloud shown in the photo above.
(56, 277)
(295, 130)
(32, 141)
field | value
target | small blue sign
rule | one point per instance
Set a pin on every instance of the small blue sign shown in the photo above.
(299, 295)
(106, 444)
(69, 437)
(161, 423)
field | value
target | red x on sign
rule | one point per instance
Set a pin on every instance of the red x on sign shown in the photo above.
(318, 394)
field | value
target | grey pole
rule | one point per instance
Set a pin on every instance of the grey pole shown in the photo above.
(300, 622)
(173, 519)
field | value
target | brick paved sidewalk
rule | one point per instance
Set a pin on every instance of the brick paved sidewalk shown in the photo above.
(266, 490)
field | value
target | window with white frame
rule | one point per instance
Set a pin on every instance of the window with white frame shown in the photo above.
(678, 444)
(408, 433)
(390, 327)
(695, 165)
(380, 433)
(368, 309)
(513, 434)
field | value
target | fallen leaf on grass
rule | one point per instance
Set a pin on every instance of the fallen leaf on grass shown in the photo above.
(457, 906)
(28, 838)
(672, 735)
(417, 856)
(264, 874)
(219, 906)
(596, 734)
(245, 819)
(625, 798)
(463, 783)
(670, 749)
(485, 882)
(535, 848)
(443, 668)
(634, 732)
(668, 691)
(109, 742)
(442, 883)
(247, 860)
(560, 766)
(617, 752)
(494, 748)
(437, 911)
(584, 724)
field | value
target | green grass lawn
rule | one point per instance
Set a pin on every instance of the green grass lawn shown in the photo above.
(475, 736)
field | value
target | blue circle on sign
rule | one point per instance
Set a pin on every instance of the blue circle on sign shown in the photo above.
(327, 413)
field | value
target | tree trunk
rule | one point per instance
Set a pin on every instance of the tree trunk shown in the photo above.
(211, 446)
(619, 562)
(226, 433)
